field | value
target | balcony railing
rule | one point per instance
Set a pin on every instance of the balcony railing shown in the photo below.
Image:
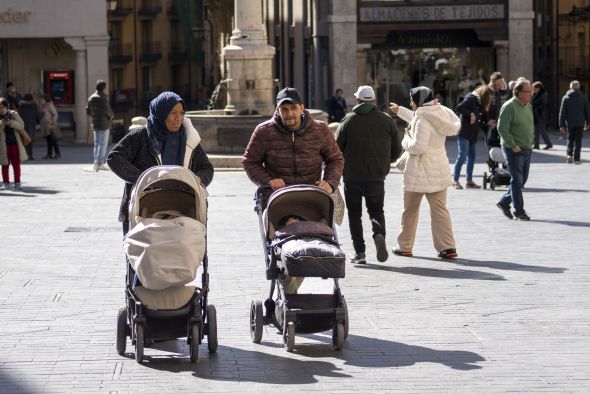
(178, 53)
(124, 8)
(149, 8)
(120, 53)
(150, 51)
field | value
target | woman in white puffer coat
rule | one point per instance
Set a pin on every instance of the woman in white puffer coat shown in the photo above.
(427, 172)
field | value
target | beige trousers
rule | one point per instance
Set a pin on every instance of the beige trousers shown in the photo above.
(291, 284)
(442, 229)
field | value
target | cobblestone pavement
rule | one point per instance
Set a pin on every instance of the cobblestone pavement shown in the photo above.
(511, 314)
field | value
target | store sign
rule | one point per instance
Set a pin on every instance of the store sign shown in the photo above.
(10, 16)
(433, 39)
(432, 13)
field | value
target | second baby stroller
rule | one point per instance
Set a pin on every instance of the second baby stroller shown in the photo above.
(498, 174)
(308, 247)
(165, 246)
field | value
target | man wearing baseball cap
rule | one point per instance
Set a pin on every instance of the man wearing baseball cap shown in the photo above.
(370, 142)
(289, 149)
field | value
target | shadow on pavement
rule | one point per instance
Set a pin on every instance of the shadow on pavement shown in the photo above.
(253, 366)
(503, 265)
(543, 190)
(380, 353)
(10, 385)
(29, 191)
(435, 273)
(564, 222)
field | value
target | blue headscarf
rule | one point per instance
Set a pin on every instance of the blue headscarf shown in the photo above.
(170, 145)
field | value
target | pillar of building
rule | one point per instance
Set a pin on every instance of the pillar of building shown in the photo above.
(343, 47)
(502, 58)
(81, 92)
(249, 62)
(521, 16)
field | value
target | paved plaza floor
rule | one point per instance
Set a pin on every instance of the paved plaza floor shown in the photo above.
(511, 314)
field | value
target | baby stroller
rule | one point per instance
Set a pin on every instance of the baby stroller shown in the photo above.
(306, 248)
(498, 175)
(164, 247)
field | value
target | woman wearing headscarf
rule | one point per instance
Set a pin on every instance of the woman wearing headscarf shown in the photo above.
(168, 139)
(427, 171)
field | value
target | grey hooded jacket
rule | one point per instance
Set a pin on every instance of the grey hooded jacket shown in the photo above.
(574, 110)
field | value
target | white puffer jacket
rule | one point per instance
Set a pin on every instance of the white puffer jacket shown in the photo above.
(427, 169)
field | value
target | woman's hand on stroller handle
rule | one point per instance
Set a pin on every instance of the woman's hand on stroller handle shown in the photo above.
(276, 184)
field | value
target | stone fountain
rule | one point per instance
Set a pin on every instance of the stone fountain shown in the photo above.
(249, 85)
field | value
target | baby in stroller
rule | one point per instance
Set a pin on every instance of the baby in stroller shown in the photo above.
(299, 241)
(165, 246)
(498, 174)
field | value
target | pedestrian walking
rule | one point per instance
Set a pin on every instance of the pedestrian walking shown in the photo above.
(540, 109)
(574, 117)
(337, 107)
(31, 115)
(168, 139)
(13, 139)
(474, 112)
(293, 148)
(13, 96)
(516, 127)
(426, 171)
(369, 141)
(49, 127)
(99, 109)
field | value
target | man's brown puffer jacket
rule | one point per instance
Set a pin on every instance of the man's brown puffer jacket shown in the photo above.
(296, 157)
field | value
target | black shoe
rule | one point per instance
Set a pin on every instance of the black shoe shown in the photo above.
(448, 254)
(523, 217)
(399, 252)
(505, 211)
(547, 147)
(359, 258)
(535, 146)
(382, 254)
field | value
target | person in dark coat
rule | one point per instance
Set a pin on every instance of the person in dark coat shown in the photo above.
(473, 112)
(574, 117)
(369, 141)
(337, 108)
(31, 115)
(539, 104)
(168, 139)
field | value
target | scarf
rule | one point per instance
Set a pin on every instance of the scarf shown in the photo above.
(169, 145)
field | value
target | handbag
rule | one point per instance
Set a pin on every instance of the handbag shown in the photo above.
(338, 206)
(400, 163)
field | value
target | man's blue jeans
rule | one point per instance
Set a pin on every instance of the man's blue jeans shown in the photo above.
(101, 142)
(518, 167)
(466, 151)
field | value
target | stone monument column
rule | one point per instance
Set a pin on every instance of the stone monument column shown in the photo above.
(520, 32)
(343, 48)
(502, 59)
(249, 62)
(81, 93)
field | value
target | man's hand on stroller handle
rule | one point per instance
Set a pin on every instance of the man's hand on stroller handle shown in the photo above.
(324, 185)
(276, 184)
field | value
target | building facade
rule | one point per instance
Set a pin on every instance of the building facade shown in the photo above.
(392, 45)
(56, 47)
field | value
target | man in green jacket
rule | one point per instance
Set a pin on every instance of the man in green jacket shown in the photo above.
(99, 109)
(516, 127)
(370, 142)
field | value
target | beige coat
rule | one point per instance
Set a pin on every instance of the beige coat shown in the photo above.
(427, 168)
(48, 119)
(17, 124)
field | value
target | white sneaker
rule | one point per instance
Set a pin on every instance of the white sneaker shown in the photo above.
(95, 168)
(103, 167)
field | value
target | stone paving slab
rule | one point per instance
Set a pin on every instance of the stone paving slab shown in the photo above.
(511, 314)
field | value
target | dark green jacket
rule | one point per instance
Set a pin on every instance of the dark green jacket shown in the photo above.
(370, 142)
(99, 109)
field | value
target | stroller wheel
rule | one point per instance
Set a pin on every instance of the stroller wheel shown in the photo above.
(256, 321)
(211, 329)
(338, 336)
(492, 184)
(139, 342)
(345, 318)
(194, 343)
(485, 180)
(289, 337)
(122, 330)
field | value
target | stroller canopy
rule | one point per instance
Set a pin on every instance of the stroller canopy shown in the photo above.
(163, 188)
(305, 201)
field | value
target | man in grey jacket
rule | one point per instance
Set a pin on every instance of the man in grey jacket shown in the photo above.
(574, 117)
(370, 142)
(99, 109)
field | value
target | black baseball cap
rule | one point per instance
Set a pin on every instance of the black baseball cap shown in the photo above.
(288, 95)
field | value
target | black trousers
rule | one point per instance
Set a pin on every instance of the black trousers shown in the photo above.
(51, 145)
(574, 141)
(374, 194)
